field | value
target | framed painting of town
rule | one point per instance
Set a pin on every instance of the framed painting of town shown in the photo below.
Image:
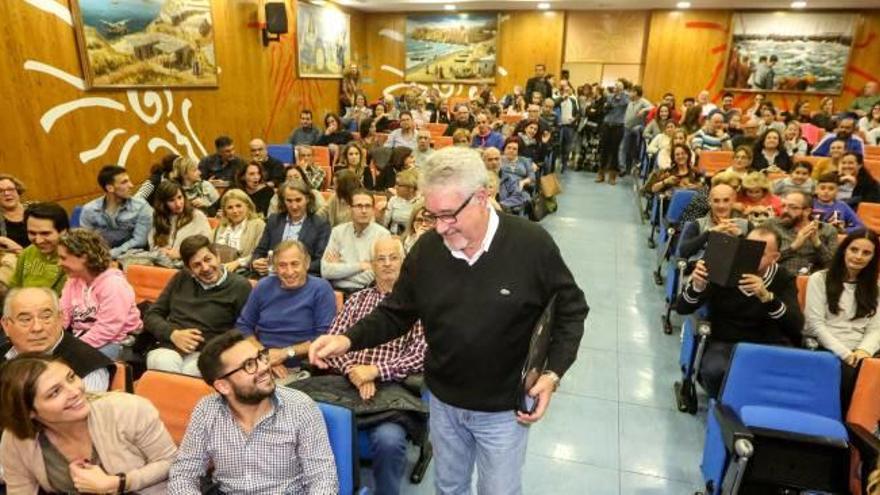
(451, 48)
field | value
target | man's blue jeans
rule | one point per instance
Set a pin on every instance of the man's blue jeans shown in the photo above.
(388, 452)
(495, 441)
(629, 152)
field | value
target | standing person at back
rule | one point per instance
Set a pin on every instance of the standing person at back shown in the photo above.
(538, 83)
(474, 286)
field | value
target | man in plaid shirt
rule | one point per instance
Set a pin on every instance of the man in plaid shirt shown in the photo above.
(393, 361)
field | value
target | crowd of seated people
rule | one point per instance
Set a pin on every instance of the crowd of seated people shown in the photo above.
(224, 220)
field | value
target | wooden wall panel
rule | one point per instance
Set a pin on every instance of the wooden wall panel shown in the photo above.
(687, 51)
(606, 36)
(259, 95)
(384, 35)
(528, 38)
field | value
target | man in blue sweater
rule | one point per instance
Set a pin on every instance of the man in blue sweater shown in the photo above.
(479, 283)
(287, 311)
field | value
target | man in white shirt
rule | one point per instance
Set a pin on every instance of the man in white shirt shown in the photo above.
(423, 149)
(346, 261)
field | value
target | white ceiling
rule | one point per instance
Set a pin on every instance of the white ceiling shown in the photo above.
(473, 5)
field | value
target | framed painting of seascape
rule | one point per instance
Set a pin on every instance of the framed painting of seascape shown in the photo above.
(451, 48)
(323, 41)
(146, 43)
(790, 52)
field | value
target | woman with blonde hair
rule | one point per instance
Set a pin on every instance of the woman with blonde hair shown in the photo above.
(97, 302)
(400, 205)
(418, 224)
(240, 229)
(461, 137)
(757, 191)
(174, 219)
(200, 193)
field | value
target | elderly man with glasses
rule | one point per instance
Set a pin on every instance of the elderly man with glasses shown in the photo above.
(478, 283)
(256, 437)
(32, 322)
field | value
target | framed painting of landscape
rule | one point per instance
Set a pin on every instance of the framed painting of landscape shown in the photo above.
(146, 43)
(792, 52)
(451, 48)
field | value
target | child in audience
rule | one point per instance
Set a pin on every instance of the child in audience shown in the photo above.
(58, 439)
(798, 180)
(831, 210)
(755, 191)
(841, 306)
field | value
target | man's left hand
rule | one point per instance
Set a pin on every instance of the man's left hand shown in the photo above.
(363, 373)
(754, 285)
(541, 391)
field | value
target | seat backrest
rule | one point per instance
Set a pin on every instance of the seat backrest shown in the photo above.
(712, 162)
(328, 178)
(872, 152)
(511, 119)
(869, 213)
(281, 152)
(74, 216)
(810, 133)
(340, 301)
(442, 142)
(784, 377)
(680, 199)
(342, 432)
(864, 408)
(174, 395)
(321, 155)
(214, 222)
(802, 290)
(436, 129)
(872, 165)
(148, 281)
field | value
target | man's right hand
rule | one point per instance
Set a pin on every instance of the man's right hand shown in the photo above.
(805, 234)
(187, 340)
(261, 266)
(327, 346)
(700, 276)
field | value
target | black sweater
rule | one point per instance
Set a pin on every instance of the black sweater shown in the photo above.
(478, 319)
(736, 317)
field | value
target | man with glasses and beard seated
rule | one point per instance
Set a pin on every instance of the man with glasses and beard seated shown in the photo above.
(258, 438)
(808, 244)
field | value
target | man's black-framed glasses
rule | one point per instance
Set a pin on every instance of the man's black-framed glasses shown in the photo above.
(447, 218)
(250, 365)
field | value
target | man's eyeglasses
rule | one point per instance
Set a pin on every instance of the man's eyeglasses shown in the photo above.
(446, 218)
(27, 321)
(250, 365)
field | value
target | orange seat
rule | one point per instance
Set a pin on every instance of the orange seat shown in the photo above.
(869, 213)
(121, 381)
(174, 395)
(802, 290)
(864, 412)
(326, 194)
(436, 129)
(442, 142)
(214, 222)
(148, 281)
(321, 155)
(328, 178)
(511, 119)
(872, 152)
(340, 301)
(712, 162)
(872, 165)
(775, 176)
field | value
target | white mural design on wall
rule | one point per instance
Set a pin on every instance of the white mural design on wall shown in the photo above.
(149, 106)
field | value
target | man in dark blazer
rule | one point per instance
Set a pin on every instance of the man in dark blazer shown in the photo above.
(298, 222)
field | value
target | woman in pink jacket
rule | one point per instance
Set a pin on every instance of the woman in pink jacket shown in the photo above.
(97, 301)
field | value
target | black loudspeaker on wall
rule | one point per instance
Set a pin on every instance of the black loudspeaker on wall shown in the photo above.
(276, 22)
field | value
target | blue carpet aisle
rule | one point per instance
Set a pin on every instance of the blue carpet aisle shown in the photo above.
(613, 428)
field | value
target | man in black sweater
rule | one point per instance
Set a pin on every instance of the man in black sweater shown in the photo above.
(538, 83)
(478, 283)
(762, 309)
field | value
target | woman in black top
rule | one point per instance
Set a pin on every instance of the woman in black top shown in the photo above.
(334, 131)
(401, 159)
(252, 180)
(866, 189)
(13, 231)
(770, 150)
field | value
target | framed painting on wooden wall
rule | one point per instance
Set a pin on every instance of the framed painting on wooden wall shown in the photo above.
(451, 48)
(323, 40)
(145, 43)
(790, 52)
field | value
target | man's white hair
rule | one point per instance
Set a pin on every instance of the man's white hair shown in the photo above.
(387, 238)
(459, 168)
(14, 294)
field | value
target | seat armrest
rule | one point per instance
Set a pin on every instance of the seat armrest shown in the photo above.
(732, 429)
(866, 443)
